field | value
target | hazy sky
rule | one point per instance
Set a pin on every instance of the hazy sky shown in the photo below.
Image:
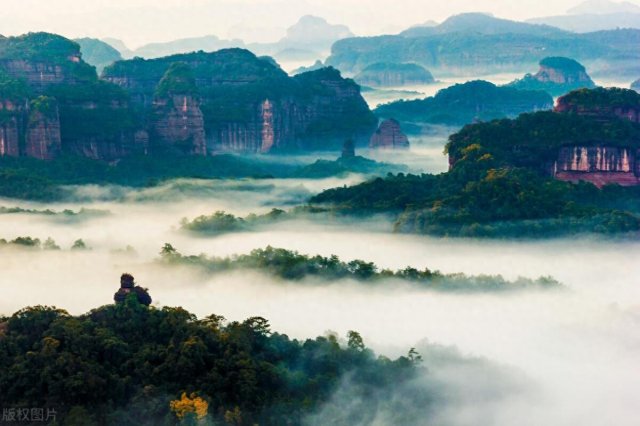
(141, 21)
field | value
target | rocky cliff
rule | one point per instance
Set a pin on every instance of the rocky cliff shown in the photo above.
(602, 104)
(599, 165)
(43, 138)
(250, 105)
(53, 102)
(394, 75)
(389, 136)
(178, 121)
(556, 76)
(192, 104)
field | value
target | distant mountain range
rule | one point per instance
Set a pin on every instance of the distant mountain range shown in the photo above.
(307, 40)
(474, 44)
(480, 23)
(604, 7)
(595, 15)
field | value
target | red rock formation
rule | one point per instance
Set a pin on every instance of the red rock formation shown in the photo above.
(43, 135)
(389, 136)
(600, 165)
(602, 104)
(10, 128)
(179, 123)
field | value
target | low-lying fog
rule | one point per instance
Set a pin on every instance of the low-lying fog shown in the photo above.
(572, 355)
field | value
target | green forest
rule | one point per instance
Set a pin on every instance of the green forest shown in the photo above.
(130, 364)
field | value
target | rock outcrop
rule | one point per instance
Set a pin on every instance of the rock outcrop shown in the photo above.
(178, 120)
(602, 104)
(127, 287)
(556, 76)
(191, 104)
(600, 165)
(636, 85)
(54, 102)
(250, 105)
(43, 139)
(394, 75)
(389, 136)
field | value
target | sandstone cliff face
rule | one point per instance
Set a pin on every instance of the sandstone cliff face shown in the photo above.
(601, 112)
(43, 139)
(250, 105)
(602, 104)
(389, 136)
(548, 74)
(38, 75)
(600, 165)
(179, 124)
(10, 126)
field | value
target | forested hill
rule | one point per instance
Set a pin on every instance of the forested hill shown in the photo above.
(129, 364)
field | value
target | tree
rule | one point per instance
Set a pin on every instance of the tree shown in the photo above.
(355, 341)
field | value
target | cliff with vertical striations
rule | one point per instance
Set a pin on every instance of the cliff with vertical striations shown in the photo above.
(53, 102)
(389, 136)
(251, 105)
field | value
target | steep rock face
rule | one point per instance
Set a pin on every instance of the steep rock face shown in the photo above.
(599, 165)
(602, 104)
(11, 118)
(63, 105)
(557, 76)
(180, 124)
(178, 120)
(562, 71)
(251, 105)
(43, 139)
(394, 75)
(389, 136)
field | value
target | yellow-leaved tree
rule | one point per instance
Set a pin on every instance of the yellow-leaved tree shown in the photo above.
(191, 406)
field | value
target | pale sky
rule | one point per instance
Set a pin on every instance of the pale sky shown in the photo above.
(141, 21)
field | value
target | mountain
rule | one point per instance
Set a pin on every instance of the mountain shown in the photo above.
(556, 76)
(604, 7)
(209, 43)
(309, 39)
(480, 23)
(250, 105)
(98, 53)
(636, 85)
(605, 53)
(595, 15)
(394, 75)
(53, 103)
(542, 174)
(465, 103)
(592, 22)
(314, 33)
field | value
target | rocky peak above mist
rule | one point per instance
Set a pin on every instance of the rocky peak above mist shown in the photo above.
(311, 31)
(602, 104)
(557, 76)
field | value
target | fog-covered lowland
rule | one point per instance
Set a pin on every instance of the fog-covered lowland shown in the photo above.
(561, 356)
(311, 213)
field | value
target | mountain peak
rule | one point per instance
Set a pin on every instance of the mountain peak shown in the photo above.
(604, 7)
